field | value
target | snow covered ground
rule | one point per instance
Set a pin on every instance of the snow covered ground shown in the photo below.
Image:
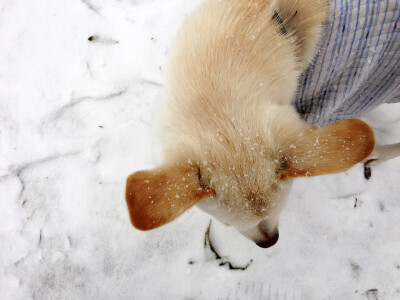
(80, 86)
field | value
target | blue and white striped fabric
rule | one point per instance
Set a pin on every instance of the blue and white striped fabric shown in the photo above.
(358, 65)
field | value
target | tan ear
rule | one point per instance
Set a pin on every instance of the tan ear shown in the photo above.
(156, 197)
(330, 149)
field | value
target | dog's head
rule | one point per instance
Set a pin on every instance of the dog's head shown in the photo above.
(241, 175)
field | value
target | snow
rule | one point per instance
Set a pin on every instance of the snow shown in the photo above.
(78, 116)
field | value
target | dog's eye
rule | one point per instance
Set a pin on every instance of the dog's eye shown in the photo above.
(203, 183)
(283, 165)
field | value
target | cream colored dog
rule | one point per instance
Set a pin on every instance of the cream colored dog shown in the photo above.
(233, 141)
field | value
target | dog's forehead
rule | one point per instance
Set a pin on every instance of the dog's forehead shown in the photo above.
(251, 187)
(248, 166)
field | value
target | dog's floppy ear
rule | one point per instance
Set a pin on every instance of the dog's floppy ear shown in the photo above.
(330, 149)
(156, 197)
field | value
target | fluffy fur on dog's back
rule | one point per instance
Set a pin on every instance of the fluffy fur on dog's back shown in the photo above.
(230, 59)
(227, 114)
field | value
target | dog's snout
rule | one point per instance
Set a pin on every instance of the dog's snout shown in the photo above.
(269, 241)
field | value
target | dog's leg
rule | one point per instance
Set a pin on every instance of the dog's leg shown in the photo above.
(380, 154)
(303, 21)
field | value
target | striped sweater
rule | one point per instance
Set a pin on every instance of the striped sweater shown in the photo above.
(357, 66)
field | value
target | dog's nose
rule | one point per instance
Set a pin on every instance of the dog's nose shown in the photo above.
(269, 242)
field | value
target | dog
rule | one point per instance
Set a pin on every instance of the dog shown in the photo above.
(233, 139)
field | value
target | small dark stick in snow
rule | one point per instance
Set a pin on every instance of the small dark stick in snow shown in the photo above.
(367, 172)
(371, 294)
(103, 40)
(357, 203)
(367, 168)
(224, 261)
